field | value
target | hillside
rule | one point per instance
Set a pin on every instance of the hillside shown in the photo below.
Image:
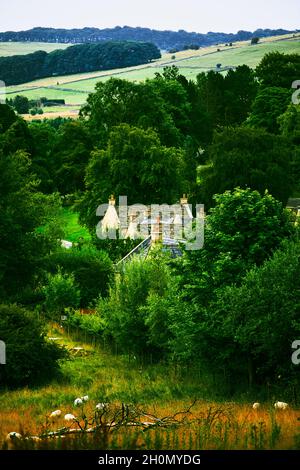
(165, 40)
(8, 49)
(75, 88)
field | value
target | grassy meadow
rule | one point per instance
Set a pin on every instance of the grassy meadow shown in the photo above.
(76, 88)
(22, 48)
(157, 390)
(73, 231)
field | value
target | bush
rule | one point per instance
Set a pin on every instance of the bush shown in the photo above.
(61, 292)
(91, 324)
(260, 321)
(90, 267)
(129, 312)
(29, 357)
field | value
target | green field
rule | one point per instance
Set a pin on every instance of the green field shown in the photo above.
(72, 230)
(21, 48)
(75, 88)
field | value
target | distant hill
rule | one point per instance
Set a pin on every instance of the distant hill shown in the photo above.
(165, 40)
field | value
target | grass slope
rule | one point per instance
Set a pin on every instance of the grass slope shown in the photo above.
(22, 48)
(161, 390)
(75, 88)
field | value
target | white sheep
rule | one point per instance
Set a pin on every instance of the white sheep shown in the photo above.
(280, 405)
(78, 402)
(256, 405)
(101, 406)
(69, 417)
(55, 414)
(13, 436)
(85, 398)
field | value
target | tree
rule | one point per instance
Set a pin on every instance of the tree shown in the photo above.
(136, 165)
(7, 117)
(278, 70)
(23, 210)
(43, 158)
(241, 231)
(240, 91)
(254, 41)
(130, 312)
(250, 159)
(119, 101)
(90, 267)
(258, 321)
(104, 55)
(227, 100)
(31, 359)
(289, 123)
(21, 104)
(71, 153)
(211, 88)
(269, 104)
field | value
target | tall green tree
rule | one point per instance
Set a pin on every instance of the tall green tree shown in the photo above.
(135, 164)
(7, 117)
(70, 155)
(269, 104)
(250, 159)
(21, 104)
(278, 70)
(242, 230)
(22, 210)
(252, 327)
(137, 104)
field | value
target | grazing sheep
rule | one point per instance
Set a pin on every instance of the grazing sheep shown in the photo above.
(55, 414)
(13, 436)
(101, 406)
(69, 417)
(85, 398)
(78, 402)
(280, 405)
(255, 406)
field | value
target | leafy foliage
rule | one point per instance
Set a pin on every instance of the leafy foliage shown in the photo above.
(153, 171)
(259, 319)
(279, 70)
(30, 357)
(61, 292)
(23, 209)
(250, 159)
(163, 39)
(91, 270)
(75, 59)
(269, 104)
(242, 230)
(130, 313)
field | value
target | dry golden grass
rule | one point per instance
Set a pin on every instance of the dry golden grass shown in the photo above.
(157, 391)
(208, 426)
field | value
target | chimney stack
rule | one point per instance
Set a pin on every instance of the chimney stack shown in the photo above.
(157, 230)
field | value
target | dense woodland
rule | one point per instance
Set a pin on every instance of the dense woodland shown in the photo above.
(165, 40)
(231, 142)
(75, 59)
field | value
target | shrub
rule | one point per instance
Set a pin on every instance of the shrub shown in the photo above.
(129, 310)
(61, 292)
(29, 357)
(90, 267)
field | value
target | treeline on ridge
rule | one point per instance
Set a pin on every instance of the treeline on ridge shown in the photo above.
(76, 59)
(163, 39)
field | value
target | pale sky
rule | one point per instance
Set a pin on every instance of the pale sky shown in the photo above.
(192, 15)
